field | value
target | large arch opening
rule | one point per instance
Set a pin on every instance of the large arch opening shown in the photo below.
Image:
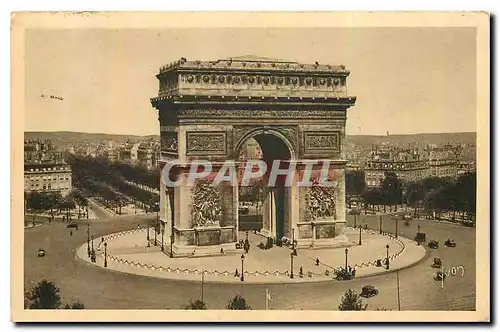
(264, 207)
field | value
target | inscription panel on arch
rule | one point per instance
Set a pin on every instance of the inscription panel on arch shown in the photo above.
(321, 142)
(207, 143)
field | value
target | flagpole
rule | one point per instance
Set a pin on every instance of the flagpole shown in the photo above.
(399, 300)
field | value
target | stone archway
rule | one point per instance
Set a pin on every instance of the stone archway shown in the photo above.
(280, 203)
(208, 108)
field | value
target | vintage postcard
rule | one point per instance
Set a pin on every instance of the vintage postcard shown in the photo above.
(250, 167)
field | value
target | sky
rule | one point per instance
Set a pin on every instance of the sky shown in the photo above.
(406, 80)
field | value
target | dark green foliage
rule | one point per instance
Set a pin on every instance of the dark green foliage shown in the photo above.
(195, 305)
(238, 303)
(351, 302)
(45, 295)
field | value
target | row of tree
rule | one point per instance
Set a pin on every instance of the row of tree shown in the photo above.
(53, 202)
(433, 194)
(98, 177)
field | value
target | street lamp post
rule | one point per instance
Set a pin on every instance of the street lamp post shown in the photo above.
(387, 257)
(105, 255)
(359, 235)
(162, 234)
(171, 244)
(354, 221)
(88, 240)
(242, 271)
(202, 282)
(291, 265)
(157, 208)
(147, 236)
(155, 230)
(380, 224)
(418, 228)
(92, 237)
(396, 227)
(346, 251)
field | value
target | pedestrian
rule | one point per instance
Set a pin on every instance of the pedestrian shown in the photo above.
(317, 261)
(353, 273)
(70, 233)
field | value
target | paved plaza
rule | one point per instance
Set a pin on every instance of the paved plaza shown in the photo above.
(128, 252)
(100, 288)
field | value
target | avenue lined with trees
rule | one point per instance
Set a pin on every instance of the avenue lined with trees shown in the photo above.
(433, 196)
(107, 182)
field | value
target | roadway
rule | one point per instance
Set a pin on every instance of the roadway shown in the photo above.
(99, 288)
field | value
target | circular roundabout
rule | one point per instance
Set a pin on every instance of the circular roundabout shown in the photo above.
(128, 252)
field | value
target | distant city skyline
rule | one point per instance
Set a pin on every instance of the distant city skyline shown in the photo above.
(407, 80)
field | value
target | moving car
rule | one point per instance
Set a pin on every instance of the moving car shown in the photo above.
(407, 217)
(450, 243)
(72, 225)
(433, 244)
(41, 252)
(437, 262)
(420, 237)
(368, 291)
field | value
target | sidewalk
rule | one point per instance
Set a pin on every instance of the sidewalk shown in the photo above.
(128, 253)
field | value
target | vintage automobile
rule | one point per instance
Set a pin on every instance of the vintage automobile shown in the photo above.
(368, 291)
(450, 243)
(433, 244)
(420, 237)
(72, 225)
(437, 262)
(407, 217)
(41, 252)
(355, 212)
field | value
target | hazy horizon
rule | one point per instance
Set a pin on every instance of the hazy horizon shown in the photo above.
(158, 134)
(407, 80)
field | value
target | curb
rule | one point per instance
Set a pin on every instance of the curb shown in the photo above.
(215, 273)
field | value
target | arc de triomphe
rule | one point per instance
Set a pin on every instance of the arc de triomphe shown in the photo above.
(296, 112)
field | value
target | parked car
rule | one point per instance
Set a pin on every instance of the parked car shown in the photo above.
(368, 291)
(41, 252)
(437, 262)
(72, 225)
(450, 243)
(433, 244)
(407, 217)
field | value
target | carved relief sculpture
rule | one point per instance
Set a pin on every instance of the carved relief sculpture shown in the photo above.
(321, 202)
(206, 208)
(169, 141)
(322, 142)
(198, 142)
